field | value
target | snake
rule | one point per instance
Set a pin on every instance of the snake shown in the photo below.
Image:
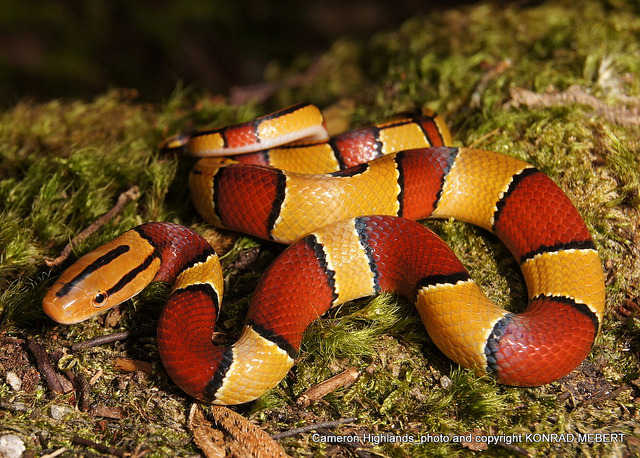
(352, 232)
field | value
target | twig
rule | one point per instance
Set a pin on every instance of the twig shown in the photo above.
(319, 391)
(100, 447)
(477, 141)
(14, 406)
(82, 387)
(606, 396)
(354, 446)
(116, 413)
(515, 448)
(129, 195)
(116, 337)
(45, 367)
(58, 452)
(126, 365)
(575, 94)
(315, 426)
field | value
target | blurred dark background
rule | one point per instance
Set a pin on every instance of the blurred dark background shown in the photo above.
(79, 48)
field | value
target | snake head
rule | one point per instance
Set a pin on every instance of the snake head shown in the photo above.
(175, 143)
(102, 279)
(73, 299)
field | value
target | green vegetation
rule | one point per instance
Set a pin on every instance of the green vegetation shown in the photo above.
(64, 163)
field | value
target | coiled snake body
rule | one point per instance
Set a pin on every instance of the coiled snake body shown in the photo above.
(352, 235)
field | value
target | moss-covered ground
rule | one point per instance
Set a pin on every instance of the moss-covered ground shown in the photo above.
(64, 163)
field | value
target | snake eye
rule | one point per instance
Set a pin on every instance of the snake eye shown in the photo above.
(100, 299)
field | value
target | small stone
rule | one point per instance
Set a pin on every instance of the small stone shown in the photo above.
(14, 381)
(59, 412)
(11, 446)
(445, 382)
(20, 406)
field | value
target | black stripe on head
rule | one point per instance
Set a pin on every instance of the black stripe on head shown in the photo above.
(515, 181)
(318, 250)
(102, 261)
(574, 245)
(443, 279)
(363, 236)
(133, 273)
(282, 343)
(218, 379)
(276, 207)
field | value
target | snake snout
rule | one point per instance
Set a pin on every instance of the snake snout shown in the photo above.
(73, 307)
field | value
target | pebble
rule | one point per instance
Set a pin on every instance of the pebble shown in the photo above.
(445, 382)
(59, 412)
(11, 446)
(14, 381)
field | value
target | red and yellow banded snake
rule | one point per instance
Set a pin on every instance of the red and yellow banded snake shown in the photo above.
(352, 236)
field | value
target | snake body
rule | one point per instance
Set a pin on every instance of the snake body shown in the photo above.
(352, 236)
